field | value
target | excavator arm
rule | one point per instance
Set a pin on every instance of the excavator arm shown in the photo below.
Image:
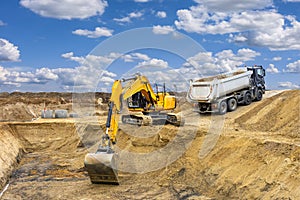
(115, 106)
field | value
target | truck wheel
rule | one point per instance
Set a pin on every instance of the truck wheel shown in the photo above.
(247, 98)
(232, 104)
(259, 95)
(222, 108)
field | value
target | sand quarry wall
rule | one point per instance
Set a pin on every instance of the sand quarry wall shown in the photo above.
(11, 151)
(17, 139)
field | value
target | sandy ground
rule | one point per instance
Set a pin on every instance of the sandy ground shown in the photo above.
(251, 153)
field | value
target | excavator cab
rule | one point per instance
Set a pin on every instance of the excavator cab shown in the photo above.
(137, 101)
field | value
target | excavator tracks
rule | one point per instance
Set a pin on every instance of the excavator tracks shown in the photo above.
(139, 119)
(153, 118)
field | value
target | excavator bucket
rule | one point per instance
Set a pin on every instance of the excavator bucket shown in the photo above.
(101, 168)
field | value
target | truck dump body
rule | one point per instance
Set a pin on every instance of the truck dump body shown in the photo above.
(210, 88)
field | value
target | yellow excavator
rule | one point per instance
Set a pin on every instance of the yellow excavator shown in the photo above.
(145, 107)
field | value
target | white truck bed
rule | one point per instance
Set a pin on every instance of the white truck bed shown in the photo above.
(211, 88)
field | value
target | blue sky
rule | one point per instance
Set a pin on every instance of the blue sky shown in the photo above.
(84, 45)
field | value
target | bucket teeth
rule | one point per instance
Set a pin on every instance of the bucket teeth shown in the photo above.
(101, 168)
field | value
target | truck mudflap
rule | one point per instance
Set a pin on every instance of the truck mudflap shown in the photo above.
(101, 168)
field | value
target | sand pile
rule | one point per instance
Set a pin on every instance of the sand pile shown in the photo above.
(279, 113)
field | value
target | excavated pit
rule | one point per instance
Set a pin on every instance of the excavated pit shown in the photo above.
(41, 152)
(44, 159)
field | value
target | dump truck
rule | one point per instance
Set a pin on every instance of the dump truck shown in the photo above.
(224, 92)
(145, 107)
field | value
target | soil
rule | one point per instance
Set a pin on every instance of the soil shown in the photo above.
(220, 76)
(251, 153)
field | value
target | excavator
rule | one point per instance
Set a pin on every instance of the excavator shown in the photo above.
(145, 107)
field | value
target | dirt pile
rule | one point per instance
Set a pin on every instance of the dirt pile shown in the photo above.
(238, 167)
(279, 113)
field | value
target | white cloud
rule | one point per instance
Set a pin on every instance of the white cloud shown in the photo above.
(135, 14)
(272, 69)
(2, 23)
(66, 9)
(17, 78)
(277, 58)
(8, 51)
(246, 54)
(91, 70)
(205, 63)
(293, 67)
(154, 62)
(162, 30)
(244, 21)
(283, 37)
(135, 56)
(200, 20)
(158, 71)
(161, 14)
(288, 85)
(92, 60)
(67, 55)
(128, 18)
(234, 5)
(98, 32)
(3, 74)
(45, 74)
(239, 38)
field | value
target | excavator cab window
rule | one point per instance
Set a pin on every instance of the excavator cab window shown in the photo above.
(137, 101)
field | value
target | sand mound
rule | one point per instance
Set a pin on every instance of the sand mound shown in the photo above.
(279, 113)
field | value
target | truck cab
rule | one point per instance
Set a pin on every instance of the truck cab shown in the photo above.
(257, 79)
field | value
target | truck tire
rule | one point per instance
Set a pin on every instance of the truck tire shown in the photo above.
(222, 108)
(247, 98)
(259, 95)
(232, 104)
